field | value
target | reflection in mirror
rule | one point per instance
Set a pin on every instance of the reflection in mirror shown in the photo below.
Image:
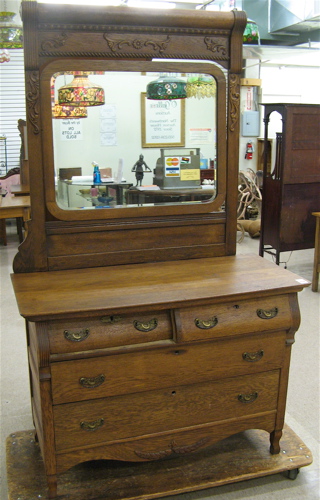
(134, 151)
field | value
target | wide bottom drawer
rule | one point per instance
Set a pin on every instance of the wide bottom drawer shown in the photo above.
(135, 415)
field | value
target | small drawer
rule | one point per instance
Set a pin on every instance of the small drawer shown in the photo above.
(109, 331)
(133, 372)
(177, 407)
(233, 318)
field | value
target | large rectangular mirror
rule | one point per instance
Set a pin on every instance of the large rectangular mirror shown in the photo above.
(150, 149)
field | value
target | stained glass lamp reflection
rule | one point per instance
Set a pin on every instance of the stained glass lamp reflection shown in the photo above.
(166, 87)
(201, 86)
(65, 112)
(81, 92)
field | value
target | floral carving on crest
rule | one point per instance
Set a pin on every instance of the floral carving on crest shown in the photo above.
(137, 44)
(217, 48)
(54, 43)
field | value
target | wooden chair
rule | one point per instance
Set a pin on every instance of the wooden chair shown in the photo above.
(12, 178)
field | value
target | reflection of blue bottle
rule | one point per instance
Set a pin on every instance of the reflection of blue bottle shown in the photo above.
(96, 174)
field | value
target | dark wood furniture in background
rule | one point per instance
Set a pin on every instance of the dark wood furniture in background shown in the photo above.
(291, 190)
(147, 336)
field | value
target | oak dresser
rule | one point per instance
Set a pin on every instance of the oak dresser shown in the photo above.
(147, 336)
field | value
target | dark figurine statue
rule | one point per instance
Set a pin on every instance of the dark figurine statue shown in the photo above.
(139, 169)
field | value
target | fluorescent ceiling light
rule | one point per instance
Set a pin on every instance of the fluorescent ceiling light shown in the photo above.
(113, 3)
(150, 5)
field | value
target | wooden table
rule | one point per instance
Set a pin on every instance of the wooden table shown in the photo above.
(10, 207)
(316, 262)
(20, 190)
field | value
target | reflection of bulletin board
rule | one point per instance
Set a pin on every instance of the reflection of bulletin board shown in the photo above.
(162, 122)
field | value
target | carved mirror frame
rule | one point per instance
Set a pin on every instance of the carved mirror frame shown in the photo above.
(58, 38)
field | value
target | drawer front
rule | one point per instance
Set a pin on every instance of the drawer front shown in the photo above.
(109, 331)
(135, 415)
(220, 320)
(166, 366)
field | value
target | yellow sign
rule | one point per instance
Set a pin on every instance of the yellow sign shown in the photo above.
(190, 174)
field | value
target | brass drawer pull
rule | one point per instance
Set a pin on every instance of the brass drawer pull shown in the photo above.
(92, 382)
(77, 336)
(267, 314)
(206, 325)
(253, 356)
(111, 319)
(92, 426)
(145, 327)
(248, 398)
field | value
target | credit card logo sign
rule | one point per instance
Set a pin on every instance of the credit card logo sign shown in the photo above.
(174, 162)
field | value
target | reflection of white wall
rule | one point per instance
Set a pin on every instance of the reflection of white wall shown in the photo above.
(123, 90)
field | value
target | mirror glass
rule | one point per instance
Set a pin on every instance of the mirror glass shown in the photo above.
(148, 151)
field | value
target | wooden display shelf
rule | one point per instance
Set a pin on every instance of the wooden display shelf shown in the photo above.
(237, 458)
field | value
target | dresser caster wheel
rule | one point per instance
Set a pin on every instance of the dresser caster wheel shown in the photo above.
(292, 474)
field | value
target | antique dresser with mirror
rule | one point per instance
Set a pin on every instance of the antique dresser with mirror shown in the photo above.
(147, 336)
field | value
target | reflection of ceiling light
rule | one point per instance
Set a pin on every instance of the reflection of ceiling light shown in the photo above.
(81, 92)
(10, 33)
(166, 87)
(201, 86)
(66, 112)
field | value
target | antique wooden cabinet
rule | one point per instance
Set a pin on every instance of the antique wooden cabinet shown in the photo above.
(147, 336)
(291, 188)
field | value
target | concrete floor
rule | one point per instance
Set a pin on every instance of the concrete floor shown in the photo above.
(303, 396)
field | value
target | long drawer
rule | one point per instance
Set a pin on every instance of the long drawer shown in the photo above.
(164, 367)
(233, 318)
(109, 331)
(129, 416)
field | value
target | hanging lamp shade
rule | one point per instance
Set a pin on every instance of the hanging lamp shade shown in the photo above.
(4, 56)
(65, 112)
(201, 86)
(251, 33)
(166, 87)
(11, 34)
(81, 92)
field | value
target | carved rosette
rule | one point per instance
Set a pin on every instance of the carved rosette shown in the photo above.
(234, 98)
(32, 100)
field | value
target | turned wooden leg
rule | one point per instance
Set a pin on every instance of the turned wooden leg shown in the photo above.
(52, 486)
(275, 437)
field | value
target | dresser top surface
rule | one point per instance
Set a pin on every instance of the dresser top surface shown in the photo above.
(59, 294)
